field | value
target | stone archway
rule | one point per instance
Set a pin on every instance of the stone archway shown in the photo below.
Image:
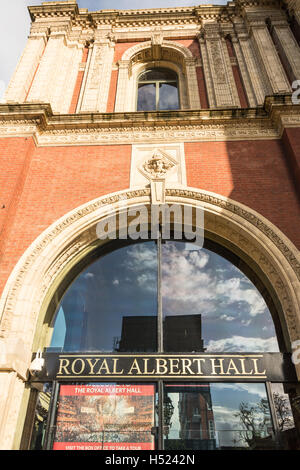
(47, 261)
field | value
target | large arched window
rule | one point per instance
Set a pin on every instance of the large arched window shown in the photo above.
(157, 90)
(208, 304)
(136, 333)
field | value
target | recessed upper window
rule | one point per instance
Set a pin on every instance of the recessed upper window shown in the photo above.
(157, 90)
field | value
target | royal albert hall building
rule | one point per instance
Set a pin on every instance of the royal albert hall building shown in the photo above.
(184, 336)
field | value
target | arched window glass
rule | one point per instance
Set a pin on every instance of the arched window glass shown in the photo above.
(112, 305)
(205, 296)
(157, 90)
(208, 304)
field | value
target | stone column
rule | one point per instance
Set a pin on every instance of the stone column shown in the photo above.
(22, 79)
(287, 47)
(269, 61)
(95, 95)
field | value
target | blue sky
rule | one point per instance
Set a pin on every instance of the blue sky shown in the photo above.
(15, 24)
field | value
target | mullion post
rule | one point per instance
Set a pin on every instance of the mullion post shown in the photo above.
(160, 341)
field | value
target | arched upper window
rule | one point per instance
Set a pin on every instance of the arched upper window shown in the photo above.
(208, 304)
(157, 90)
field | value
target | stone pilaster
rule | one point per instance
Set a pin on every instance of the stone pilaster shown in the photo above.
(121, 87)
(269, 61)
(256, 86)
(287, 47)
(207, 72)
(192, 84)
(222, 78)
(293, 7)
(96, 91)
(21, 81)
(49, 71)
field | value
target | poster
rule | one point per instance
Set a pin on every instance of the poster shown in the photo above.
(105, 417)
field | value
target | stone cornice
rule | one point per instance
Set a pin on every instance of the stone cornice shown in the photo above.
(137, 17)
(38, 120)
(51, 12)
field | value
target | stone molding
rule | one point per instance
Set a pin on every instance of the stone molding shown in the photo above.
(38, 121)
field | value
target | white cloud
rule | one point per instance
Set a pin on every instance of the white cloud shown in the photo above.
(227, 318)
(243, 344)
(196, 289)
(89, 276)
(232, 289)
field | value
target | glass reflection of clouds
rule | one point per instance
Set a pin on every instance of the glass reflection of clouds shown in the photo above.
(204, 296)
(121, 284)
(234, 315)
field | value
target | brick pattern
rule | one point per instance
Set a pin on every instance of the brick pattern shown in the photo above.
(253, 173)
(78, 84)
(112, 91)
(120, 48)
(39, 185)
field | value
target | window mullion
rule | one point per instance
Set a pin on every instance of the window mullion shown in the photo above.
(157, 96)
(159, 296)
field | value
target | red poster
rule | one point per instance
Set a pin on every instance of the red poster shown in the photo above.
(105, 417)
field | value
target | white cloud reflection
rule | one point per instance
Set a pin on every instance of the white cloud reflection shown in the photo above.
(235, 316)
(243, 344)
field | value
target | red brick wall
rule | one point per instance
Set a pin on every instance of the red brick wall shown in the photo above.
(291, 140)
(39, 185)
(254, 173)
(78, 83)
(122, 47)
(191, 44)
(46, 183)
(112, 91)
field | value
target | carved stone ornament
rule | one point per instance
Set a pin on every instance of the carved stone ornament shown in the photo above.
(158, 165)
(155, 169)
